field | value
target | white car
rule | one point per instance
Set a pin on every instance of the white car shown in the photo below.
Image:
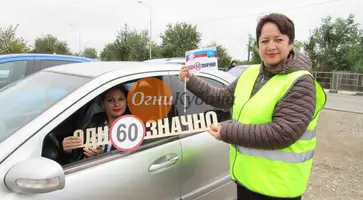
(41, 109)
(174, 60)
(237, 71)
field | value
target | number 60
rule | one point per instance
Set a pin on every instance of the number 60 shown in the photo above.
(122, 135)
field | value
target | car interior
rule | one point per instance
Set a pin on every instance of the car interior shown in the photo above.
(52, 143)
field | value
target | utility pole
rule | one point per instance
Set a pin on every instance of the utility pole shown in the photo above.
(249, 50)
(79, 37)
(150, 40)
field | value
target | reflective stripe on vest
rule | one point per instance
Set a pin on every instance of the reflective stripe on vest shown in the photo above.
(281, 172)
(308, 134)
(278, 155)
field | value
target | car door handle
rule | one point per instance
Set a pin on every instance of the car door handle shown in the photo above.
(163, 162)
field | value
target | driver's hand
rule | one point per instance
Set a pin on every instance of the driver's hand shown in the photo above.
(89, 152)
(71, 142)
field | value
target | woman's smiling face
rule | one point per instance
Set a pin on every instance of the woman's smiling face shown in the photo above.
(273, 46)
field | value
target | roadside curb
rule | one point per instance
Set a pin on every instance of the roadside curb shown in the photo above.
(350, 93)
(343, 110)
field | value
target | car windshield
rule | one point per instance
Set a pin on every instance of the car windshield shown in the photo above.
(24, 100)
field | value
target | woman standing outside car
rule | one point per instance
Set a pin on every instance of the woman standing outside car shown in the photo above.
(275, 112)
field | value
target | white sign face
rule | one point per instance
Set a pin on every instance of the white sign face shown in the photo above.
(202, 59)
(127, 133)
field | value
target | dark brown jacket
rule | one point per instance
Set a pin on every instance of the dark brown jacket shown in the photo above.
(290, 118)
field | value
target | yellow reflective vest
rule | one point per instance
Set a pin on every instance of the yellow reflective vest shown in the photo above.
(281, 172)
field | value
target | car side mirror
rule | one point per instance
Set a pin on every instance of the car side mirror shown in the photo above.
(35, 175)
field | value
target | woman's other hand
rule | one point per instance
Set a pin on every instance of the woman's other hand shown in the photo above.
(215, 131)
(90, 152)
(71, 142)
(184, 73)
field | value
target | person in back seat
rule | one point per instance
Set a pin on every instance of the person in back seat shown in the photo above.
(114, 103)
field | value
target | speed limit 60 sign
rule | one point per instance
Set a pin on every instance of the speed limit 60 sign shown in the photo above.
(127, 133)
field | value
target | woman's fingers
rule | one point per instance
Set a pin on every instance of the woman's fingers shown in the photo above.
(184, 73)
(88, 152)
(72, 142)
(92, 151)
(95, 150)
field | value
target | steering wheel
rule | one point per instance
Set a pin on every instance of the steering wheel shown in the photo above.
(52, 149)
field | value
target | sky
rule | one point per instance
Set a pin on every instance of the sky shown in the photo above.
(94, 23)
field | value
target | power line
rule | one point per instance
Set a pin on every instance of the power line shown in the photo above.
(56, 11)
(68, 6)
(254, 14)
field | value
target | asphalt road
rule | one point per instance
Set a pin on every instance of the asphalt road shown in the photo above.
(345, 102)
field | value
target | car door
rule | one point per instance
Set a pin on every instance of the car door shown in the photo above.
(205, 171)
(144, 173)
(12, 70)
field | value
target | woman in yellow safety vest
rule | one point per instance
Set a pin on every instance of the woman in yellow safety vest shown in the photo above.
(275, 106)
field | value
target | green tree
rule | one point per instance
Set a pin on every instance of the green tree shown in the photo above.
(311, 48)
(129, 45)
(10, 43)
(90, 52)
(298, 45)
(50, 44)
(179, 38)
(109, 52)
(253, 50)
(139, 45)
(336, 45)
(156, 50)
(224, 58)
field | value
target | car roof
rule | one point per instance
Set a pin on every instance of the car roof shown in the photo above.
(43, 55)
(178, 60)
(237, 71)
(155, 60)
(94, 69)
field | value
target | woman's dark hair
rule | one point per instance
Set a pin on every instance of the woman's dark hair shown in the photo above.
(123, 89)
(284, 24)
